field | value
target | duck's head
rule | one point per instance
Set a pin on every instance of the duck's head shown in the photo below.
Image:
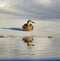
(30, 22)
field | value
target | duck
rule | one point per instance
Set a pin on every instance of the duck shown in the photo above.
(28, 26)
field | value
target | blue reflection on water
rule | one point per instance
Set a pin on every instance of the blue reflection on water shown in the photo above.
(29, 59)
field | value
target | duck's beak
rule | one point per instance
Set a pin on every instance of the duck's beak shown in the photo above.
(33, 22)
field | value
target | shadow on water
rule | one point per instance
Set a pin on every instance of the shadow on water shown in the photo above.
(16, 29)
(28, 40)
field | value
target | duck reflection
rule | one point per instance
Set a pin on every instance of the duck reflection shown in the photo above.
(28, 40)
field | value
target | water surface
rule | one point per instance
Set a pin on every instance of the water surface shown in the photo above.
(41, 48)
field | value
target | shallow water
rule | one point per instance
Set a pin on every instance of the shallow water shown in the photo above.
(43, 47)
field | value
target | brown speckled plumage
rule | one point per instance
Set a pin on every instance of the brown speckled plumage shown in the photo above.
(28, 26)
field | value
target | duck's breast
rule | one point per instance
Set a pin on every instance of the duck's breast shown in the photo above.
(30, 27)
(26, 27)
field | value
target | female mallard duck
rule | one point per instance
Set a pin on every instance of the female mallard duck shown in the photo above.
(28, 26)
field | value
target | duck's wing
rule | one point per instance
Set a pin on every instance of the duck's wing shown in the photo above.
(24, 26)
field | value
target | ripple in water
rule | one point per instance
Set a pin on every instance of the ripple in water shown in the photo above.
(30, 47)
